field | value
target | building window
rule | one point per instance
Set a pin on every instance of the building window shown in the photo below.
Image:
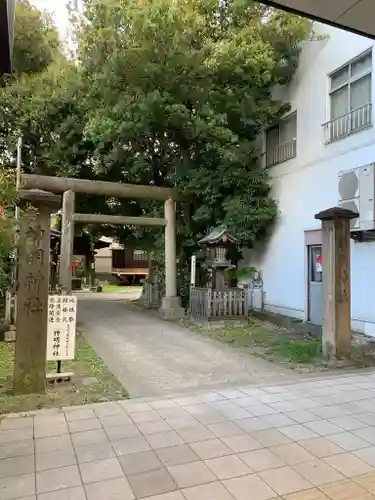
(350, 99)
(281, 141)
(140, 255)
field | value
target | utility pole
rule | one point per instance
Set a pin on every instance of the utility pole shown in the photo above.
(9, 320)
(17, 214)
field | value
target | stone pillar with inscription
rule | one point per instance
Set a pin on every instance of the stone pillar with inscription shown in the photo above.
(336, 332)
(32, 293)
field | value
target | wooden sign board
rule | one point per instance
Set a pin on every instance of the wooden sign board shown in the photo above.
(61, 332)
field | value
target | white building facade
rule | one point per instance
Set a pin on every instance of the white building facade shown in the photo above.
(329, 132)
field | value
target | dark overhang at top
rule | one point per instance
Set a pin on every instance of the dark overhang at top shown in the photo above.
(357, 16)
(7, 8)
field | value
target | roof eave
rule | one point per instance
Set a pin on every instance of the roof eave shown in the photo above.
(312, 16)
(7, 10)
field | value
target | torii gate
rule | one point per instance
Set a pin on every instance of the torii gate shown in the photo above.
(31, 323)
(171, 306)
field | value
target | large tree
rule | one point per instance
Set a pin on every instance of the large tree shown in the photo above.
(178, 94)
(36, 46)
(171, 93)
(36, 40)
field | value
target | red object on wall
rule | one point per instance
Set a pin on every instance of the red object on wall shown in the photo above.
(319, 259)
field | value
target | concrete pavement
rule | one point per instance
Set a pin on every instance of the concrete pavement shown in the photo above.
(308, 440)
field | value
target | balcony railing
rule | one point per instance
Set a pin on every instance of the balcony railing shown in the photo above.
(283, 152)
(348, 124)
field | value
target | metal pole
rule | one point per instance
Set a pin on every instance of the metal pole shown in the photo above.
(18, 172)
(8, 313)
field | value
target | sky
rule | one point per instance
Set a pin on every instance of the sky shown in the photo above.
(59, 12)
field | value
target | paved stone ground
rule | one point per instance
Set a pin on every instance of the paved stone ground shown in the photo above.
(309, 440)
(150, 356)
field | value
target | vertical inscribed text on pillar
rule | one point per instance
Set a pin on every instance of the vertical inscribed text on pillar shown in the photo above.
(32, 297)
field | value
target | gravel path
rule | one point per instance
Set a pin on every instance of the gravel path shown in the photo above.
(152, 357)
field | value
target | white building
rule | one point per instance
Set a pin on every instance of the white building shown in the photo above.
(329, 130)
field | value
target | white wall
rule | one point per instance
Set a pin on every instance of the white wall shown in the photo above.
(308, 184)
(103, 260)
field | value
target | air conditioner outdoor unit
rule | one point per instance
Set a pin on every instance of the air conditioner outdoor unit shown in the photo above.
(357, 193)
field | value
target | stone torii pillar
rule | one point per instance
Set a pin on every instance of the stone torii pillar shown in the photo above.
(32, 293)
(336, 334)
(67, 241)
(171, 304)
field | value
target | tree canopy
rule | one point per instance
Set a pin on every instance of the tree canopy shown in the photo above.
(36, 40)
(7, 229)
(36, 46)
(163, 92)
(178, 93)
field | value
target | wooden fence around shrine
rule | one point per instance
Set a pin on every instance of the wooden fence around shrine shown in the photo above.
(219, 305)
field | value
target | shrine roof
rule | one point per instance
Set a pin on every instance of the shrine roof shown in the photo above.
(218, 235)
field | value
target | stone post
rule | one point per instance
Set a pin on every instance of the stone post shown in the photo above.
(89, 268)
(336, 334)
(170, 249)
(171, 304)
(67, 240)
(32, 294)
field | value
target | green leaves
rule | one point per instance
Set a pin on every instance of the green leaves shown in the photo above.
(171, 93)
(7, 227)
(36, 42)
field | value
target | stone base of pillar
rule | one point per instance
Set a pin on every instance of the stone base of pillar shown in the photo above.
(10, 334)
(171, 308)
